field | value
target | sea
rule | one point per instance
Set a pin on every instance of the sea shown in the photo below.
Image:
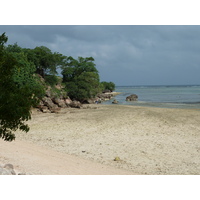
(168, 96)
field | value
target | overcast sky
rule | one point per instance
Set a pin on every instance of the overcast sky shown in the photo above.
(125, 55)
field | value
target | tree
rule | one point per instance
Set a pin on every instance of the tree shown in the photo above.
(14, 48)
(81, 78)
(45, 61)
(108, 86)
(20, 89)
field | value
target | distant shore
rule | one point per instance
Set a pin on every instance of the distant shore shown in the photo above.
(141, 140)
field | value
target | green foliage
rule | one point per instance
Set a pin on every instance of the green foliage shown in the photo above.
(81, 78)
(51, 80)
(108, 86)
(14, 48)
(45, 61)
(20, 89)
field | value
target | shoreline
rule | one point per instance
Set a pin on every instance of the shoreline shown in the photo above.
(176, 105)
(147, 140)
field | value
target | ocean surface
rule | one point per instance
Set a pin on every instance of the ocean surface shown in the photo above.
(187, 96)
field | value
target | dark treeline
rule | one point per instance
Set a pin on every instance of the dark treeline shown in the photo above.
(21, 88)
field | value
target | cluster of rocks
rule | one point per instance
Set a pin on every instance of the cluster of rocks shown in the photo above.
(8, 169)
(132, 97)
(53, 104)
(105, 96)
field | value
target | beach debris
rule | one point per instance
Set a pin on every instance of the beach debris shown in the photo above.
(132, 97)
(117, 159)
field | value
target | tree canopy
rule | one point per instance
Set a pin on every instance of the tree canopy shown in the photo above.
(81, 78)
(20, 89)
(45, 61)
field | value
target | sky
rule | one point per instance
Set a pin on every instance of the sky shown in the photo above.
(124, 54)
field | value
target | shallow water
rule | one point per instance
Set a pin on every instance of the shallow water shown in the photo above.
(187, 96)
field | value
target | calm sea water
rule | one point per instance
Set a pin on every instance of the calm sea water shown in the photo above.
(161, 96)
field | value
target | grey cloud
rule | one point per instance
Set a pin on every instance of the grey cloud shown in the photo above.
(127, 55)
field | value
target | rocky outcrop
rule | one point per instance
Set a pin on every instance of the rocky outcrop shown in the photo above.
(105, 96)
(132, 97)
(52, 102)
(54, 105)
(56, 98)
(59, 102)
(47, 101)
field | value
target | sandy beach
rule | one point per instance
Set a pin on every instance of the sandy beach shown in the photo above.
(147, 140)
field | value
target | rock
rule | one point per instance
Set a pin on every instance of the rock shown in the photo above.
(55, 110)
(4, 171)
(10, 168)
(75, 104)
(7, 170)
(68, 101)
(45, 109)
(49, 103)
(105, 96)
(60, 102)
(48, 92)
(90, 101)
(115, 101)
(132, 97)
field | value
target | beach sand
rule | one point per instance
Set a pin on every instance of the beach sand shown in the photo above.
(147, 140)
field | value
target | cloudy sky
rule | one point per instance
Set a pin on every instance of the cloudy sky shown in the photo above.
(126, 55)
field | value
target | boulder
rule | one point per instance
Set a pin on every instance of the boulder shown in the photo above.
(60, 102)
(115, 101)
(68, 102)
(75, 104)
(10, 168)
(132, 97)
(49, 103)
